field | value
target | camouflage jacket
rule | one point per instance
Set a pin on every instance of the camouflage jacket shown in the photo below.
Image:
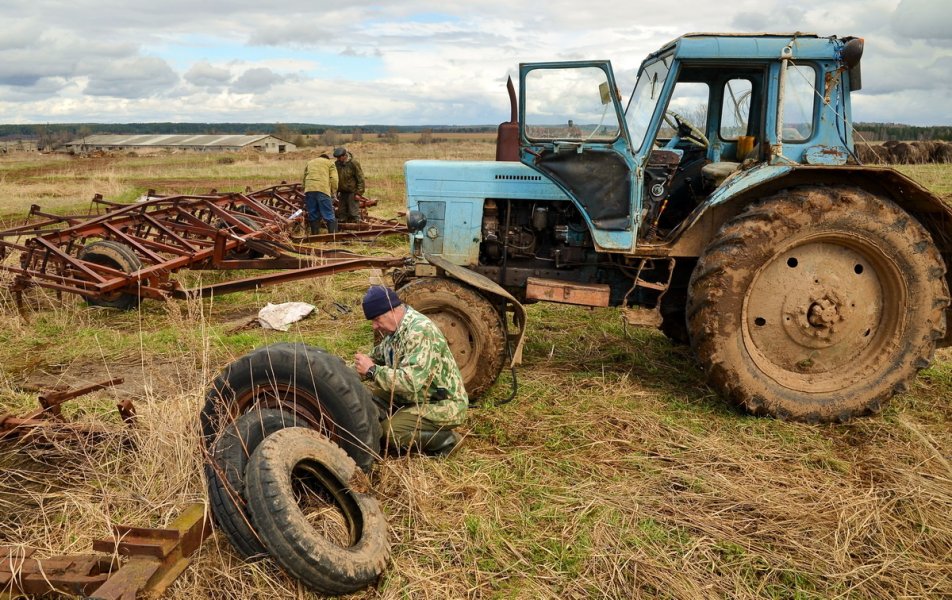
(412, 363)
(351, 176)
(320, 175)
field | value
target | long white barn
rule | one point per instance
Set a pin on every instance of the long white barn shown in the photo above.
(199, 143)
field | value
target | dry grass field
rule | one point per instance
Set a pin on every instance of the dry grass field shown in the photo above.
(613, 473)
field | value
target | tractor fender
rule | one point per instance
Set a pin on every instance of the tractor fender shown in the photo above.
(745, 187)
(488, 286)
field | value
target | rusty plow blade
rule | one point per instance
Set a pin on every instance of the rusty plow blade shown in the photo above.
(133, 250)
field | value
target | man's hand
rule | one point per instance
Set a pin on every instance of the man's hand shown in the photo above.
(362, 363)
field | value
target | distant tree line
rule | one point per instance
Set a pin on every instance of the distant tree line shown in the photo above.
(884, 132)
(57, 134)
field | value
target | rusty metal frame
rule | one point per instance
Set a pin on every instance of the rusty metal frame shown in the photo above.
(156, 557)
(47, 423)
(232, 231)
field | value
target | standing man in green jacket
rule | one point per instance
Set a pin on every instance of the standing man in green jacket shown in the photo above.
(415, 380)
(320, 186)
(351, 178)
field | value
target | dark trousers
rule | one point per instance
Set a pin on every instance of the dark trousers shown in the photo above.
(402, 429)
(349, 208)
(319, 205)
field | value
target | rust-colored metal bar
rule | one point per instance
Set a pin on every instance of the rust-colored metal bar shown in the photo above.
(48, 415)
(78, 574)
(58, 397)
(251, 283)
(155, 558)
(158, 556)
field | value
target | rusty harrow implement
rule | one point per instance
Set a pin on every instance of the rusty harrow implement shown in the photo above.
(131, 251)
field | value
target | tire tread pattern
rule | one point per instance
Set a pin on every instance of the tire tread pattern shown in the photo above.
(225, 475)
(347, 403)
(724, 264)
(303, 552)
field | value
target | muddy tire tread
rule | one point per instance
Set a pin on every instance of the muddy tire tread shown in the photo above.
(789, 210)
(284, 530)
(225, 475)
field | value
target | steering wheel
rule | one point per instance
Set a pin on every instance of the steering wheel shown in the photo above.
(686, 129)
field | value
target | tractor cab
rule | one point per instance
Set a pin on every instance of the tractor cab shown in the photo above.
(705, 109)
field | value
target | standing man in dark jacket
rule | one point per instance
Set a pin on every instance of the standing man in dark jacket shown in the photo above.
(351, 184)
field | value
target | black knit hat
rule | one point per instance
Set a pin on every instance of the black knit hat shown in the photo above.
(378, 300)
(338, 152)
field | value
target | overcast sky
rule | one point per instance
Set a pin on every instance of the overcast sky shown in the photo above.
(408, 62)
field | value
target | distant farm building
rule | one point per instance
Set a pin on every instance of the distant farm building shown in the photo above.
(15, 143)
(195, 143)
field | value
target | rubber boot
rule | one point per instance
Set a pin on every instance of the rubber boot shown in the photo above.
(440, 443)
(315, 227)
(332, 227)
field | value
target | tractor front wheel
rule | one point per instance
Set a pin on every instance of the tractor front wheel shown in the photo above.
(472, 327)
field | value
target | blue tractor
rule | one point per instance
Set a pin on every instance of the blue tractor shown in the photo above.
(721, 201)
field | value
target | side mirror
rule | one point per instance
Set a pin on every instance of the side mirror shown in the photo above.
(416, 221)
(851, 55)
(852, 52)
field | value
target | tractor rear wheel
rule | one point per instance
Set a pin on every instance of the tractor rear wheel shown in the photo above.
(472, 327)
(817, 304)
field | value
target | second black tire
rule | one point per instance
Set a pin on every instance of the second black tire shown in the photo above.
(225, 474)
(283, 461)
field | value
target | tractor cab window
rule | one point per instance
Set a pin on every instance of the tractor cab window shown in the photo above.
(798, 101)
(645, 98)
(735, 109)
(673, 169)
(685, 120)
(570, 104)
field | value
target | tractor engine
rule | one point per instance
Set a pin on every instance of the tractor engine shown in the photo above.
(523, 233)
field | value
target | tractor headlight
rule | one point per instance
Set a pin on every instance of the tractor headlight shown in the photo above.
(416, 221)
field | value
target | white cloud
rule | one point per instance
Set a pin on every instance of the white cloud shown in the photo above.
(412, 62)
(204, 74)
(257, 80)
(923, 19)
(139, 77)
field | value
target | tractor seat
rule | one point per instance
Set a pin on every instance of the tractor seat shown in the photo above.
(717, 172)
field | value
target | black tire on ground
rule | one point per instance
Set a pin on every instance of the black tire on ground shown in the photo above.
(817, 304)
(470, 323)
(243, 252)
(673, 308)
(225, 474)
(294, 457)
(318, 387)
(115, 255)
